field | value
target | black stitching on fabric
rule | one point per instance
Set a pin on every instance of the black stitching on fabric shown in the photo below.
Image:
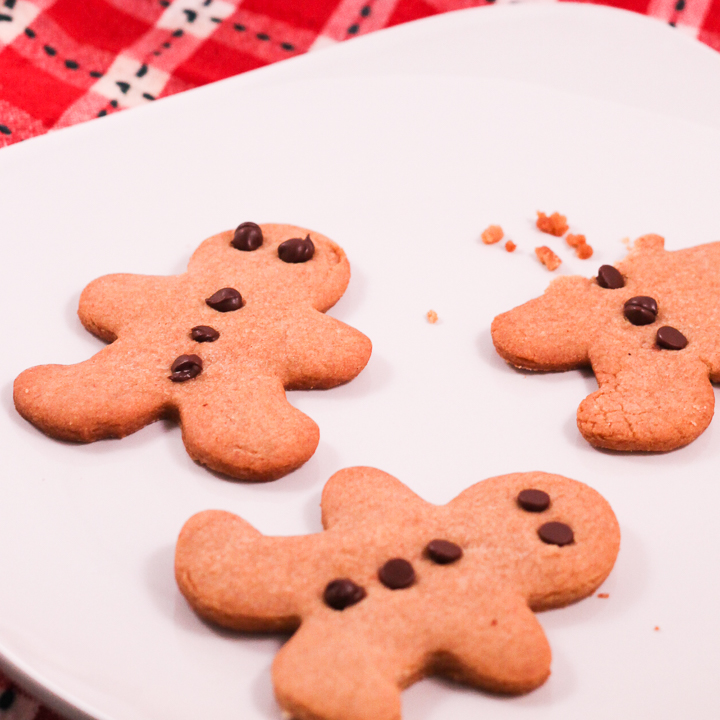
(114, 103)
(165, 3)
(71, 65)
(191, 15)
(353, 29)
(366, 10)
(148, 96)
(5, 130)
(142, 71)
(30, 33)
(5, 18)
(124, 86)
(262, 36)
(178, 33)
(50, 50)
(8, 697)
(216, 20)
(95, 74)
(680, 5)
(287, 46)
(239, 28)
(9, 4)
(102, 113)
(671, 23)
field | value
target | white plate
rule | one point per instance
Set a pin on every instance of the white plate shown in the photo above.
(402, 147)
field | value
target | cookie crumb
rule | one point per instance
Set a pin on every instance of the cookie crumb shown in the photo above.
(510, 246)
(547, 257)
(582, 249)
(604, 596)
(555, 224)
(432, 317)
(492, 235)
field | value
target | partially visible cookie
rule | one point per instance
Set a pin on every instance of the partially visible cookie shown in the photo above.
(396, 588)
(650, 330)
(214, 348)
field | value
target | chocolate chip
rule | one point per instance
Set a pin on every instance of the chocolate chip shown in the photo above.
(533, 500)
(248, 236)
(296, 250)
(556, 533)
(443, 552)
(610, 278)
(342, 593)
(670, 338)
(641, 310)
(186, 367)
(204, 333)
(397, 574)
(225, 300)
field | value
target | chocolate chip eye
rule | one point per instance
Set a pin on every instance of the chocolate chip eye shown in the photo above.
(225, 300)
(342, 593)
(610, 278)
(556, 533)
(443, 552)
(186, 367)
(533, 500)
(671, 339)
(397, 574)
(641, 310)
(296, 250)
(204, 333)
(248, 236)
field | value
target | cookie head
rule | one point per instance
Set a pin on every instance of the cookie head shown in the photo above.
(650, 329)
(281, 264)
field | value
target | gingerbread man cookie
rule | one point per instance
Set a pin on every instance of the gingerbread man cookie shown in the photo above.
(650, 330)
(396, 588)
(215, 348)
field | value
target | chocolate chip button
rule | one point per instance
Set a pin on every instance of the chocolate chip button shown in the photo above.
(296, 250)
(533, 500)
(443, 552)
(342, 593)
(204, 333)
(671, 339)
(397, 574)
(225, 300)
(248, 236)
(186, 367)
(641, 310)
(610, 278)
(556, 533)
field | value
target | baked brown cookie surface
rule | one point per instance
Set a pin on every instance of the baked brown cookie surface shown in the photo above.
(396, 588)
(215, 348)
(650, 330)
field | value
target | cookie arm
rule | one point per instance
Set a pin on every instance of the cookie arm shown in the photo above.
(654, 400)
(236, 577)
(322, 352)
(551, 332)
(112, 394)
(243, 426)
(113, 302)
(496, 644)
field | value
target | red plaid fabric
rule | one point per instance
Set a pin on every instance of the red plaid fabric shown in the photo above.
(66, 61)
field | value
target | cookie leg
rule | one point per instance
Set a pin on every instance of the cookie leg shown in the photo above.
(111, 395)
(245, 427)
(655, 400)
(324, 673)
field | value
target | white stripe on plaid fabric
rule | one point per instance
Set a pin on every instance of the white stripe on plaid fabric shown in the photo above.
(356, 17)
(131, 83)
(14, 18)
(198, 17)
